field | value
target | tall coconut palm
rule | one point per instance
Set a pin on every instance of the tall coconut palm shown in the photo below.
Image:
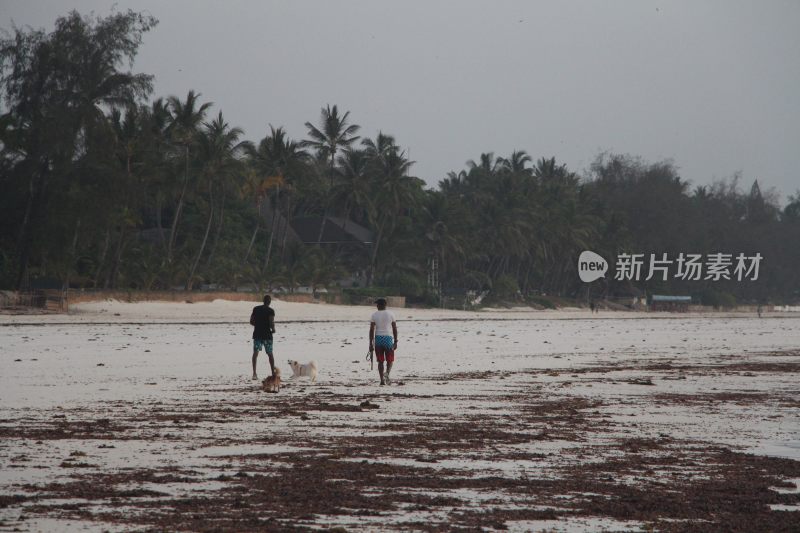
(480, 178)
(253, 189)
(186, 118)
(155, 121)
(334, 134)
(487, 164)
(219, 152)
(517, 162)
(446, 244)
(547, 170)
(454, 183)
(393, 190)
(278, 160)
(265, 163)
(383, 146)
(130, 142)
(352, 189)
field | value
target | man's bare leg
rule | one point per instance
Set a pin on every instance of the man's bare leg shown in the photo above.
(388, 370)
(380, 371)
(255, 357)
(271, 363)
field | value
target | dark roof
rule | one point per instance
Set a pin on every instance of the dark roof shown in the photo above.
(358, 231)
(307, 229)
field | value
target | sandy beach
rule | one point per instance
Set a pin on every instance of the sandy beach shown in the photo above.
(136, 417)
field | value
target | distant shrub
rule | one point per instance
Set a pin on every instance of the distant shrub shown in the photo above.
(404, 284)
(727, 300)
(505, 288)
(718, 299)
(362, 295)
(541, 300)
(428, 298)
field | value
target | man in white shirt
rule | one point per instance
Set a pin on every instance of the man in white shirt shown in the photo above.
(383, 338)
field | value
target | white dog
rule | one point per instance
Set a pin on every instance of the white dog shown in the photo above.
(306, 370)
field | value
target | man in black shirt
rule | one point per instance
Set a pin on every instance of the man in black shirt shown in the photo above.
(263, 321)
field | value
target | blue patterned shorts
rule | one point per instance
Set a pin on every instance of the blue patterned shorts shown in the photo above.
(262, 343)
(384, 348)
(384, 341)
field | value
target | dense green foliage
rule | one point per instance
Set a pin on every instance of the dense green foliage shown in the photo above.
(102, 187)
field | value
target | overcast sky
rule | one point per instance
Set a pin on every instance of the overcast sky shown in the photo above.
(711, 85)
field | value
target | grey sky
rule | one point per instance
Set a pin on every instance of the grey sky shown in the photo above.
(712, 85)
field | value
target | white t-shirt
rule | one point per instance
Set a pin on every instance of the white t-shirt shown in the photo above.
(383, 322)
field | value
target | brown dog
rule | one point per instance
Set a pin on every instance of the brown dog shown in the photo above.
(272, 383)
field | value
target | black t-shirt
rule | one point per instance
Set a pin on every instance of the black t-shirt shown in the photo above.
(261, 315)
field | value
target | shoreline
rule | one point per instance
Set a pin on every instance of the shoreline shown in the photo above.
(351, 321)
(234, 312)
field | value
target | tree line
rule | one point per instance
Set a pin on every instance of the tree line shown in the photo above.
(104, 186)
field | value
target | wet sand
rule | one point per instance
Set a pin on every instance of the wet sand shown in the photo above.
(518, 421)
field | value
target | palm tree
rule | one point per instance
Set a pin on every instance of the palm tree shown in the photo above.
(253, 188)
(277, 160)
(487, 164)
(186, 118)
(129, 141)
(155, 123)
(454, 183)
(353, 187)
(219, 151)
(547, 170)
(445, 243)
(383, 146)
(393, 190)
(480, 178)
(516, 163)
(335, 134)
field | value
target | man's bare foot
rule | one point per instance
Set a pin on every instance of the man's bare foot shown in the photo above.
(382, 383)
(255, 376)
